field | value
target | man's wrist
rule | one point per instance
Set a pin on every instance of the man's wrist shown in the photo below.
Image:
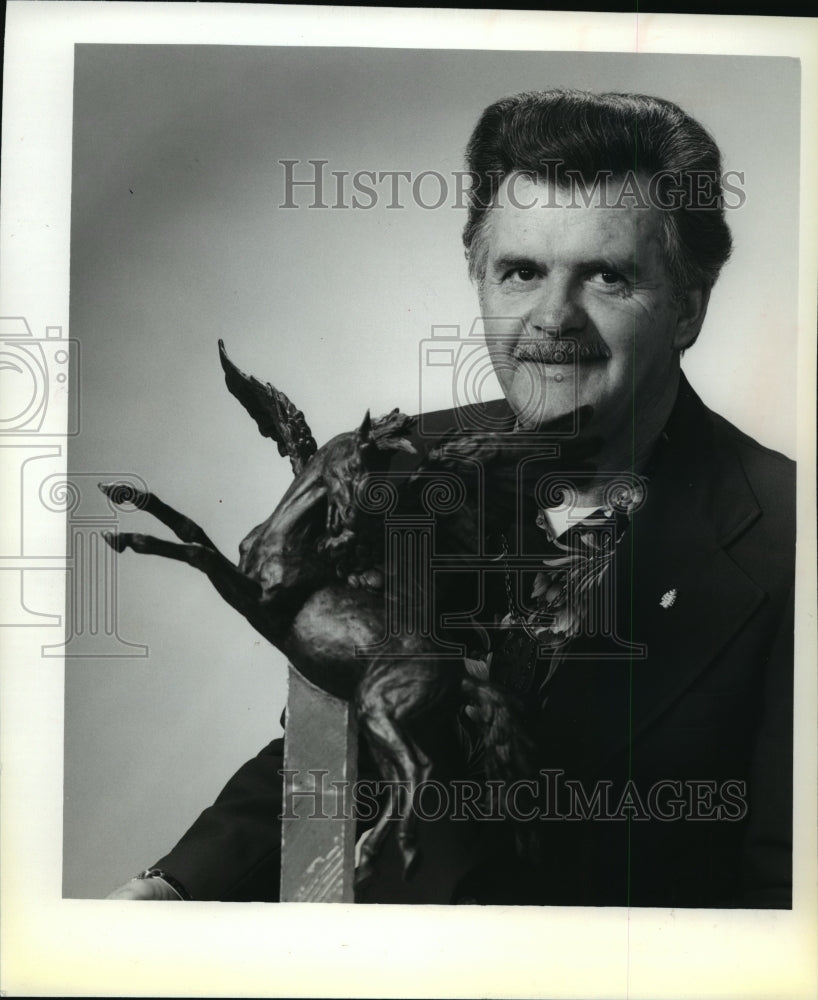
(173, 884)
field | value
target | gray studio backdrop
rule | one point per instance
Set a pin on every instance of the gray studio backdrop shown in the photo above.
(178, 240)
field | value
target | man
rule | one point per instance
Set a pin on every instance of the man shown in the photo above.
(595, 234)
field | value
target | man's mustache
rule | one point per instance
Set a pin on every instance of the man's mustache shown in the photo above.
(561, 352)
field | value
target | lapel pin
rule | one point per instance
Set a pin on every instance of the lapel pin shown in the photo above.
(668, 598)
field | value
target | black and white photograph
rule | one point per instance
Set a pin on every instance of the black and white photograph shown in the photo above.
(412, 489)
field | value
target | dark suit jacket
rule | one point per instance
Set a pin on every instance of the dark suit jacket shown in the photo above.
(697, 735)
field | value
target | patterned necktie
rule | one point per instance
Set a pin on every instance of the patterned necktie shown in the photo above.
(564, 603)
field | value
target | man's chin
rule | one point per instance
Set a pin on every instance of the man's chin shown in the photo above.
(541, 394)
(557, 412)
(573, 431)
(568, 422)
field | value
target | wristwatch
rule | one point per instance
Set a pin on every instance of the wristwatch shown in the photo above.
(177, 886)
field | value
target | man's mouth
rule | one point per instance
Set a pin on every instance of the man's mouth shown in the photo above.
(561, 352)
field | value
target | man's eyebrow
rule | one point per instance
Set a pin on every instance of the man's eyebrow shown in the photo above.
(622, 265)
(509, 262)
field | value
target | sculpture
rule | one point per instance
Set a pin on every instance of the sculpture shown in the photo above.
(310, 580)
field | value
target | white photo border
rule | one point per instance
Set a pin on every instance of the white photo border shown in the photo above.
(53, 946)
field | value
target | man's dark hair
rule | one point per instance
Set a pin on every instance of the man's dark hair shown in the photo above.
(588, 134)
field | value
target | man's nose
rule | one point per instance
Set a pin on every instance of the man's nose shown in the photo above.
(558, 311)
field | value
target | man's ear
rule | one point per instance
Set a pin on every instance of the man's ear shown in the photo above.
(693, 304)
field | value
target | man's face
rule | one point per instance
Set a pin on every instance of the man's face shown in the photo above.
(593, 279)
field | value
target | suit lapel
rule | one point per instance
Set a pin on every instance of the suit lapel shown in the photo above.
(698, 500)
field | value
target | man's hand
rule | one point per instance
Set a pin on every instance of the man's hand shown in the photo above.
(144, 888)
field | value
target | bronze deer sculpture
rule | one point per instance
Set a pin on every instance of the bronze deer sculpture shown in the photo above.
(310, 580)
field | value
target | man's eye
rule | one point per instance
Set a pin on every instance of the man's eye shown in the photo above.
(523, 273)
(610, 279)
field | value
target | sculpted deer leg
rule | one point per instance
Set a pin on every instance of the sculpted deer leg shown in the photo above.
(241, 592)
(181, 526)
(400, 762)
(238, 590)
(371, 847)
(392, 693)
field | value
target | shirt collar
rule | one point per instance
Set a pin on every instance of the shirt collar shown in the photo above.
(557, 520)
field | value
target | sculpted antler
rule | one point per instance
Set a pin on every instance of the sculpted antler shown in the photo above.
(275, 415)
